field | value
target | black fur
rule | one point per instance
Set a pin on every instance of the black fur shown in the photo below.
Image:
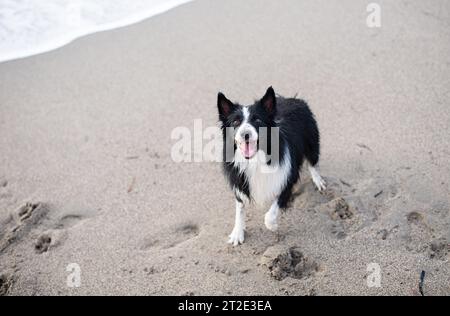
(298, 133)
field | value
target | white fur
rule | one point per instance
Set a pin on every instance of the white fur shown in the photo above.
(271, 217)
(265, 182)
(238, 234)
(246, 128)
(316, 178)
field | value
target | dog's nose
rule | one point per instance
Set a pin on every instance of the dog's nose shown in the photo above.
(246, 136)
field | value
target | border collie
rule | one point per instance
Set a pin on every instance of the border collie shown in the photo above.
(264, 148)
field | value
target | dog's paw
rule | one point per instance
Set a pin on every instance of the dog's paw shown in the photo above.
(271, 222)
(237, 236)
(317, 179)
(320, 183)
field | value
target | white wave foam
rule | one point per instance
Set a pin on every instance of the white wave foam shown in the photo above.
(30, 27)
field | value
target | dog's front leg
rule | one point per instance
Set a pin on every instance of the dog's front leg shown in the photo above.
(271, 218)
(237, 235)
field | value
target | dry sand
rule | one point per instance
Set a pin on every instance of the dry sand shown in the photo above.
(86, 175)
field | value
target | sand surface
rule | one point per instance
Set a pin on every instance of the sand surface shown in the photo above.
(86, 174)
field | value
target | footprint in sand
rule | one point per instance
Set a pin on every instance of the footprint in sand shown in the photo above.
(43, 243)
(336, 203)
(415, 218)
(341, 213)
(331, 202)
(283, 262)
(69, 220)
(21, 222)
(439, 249)
(57, 232)
(419, 234)
(339, 209)
(5, 284)
(3, 183)
(172, 238)
(26, 211)
(356, 205)
(37, 217)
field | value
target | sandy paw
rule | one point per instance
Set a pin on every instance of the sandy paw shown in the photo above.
(237, 236)
(320, 184)
(271, 222)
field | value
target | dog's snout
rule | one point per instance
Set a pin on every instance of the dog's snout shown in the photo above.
(246, 133)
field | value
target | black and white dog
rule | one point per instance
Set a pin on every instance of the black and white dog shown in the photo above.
(265, 146)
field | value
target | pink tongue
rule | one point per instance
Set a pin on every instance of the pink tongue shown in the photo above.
(248, 150)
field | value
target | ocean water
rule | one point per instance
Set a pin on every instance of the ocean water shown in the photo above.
(30, 27)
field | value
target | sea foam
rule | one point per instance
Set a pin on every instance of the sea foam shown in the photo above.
(30, 27)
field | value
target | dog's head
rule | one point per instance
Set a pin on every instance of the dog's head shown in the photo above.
(247, 121)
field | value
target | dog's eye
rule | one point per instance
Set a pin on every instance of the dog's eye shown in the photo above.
(258, 121)
(236, 122)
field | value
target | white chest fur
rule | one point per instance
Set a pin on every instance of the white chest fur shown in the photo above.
(265, 182)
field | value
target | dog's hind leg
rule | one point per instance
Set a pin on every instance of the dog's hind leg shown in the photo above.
(312, 152)
(316, 178)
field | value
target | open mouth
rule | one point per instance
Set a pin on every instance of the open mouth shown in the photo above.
(248, 149)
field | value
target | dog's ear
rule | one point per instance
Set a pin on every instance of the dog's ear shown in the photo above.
(269, 101)
(225, 106)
